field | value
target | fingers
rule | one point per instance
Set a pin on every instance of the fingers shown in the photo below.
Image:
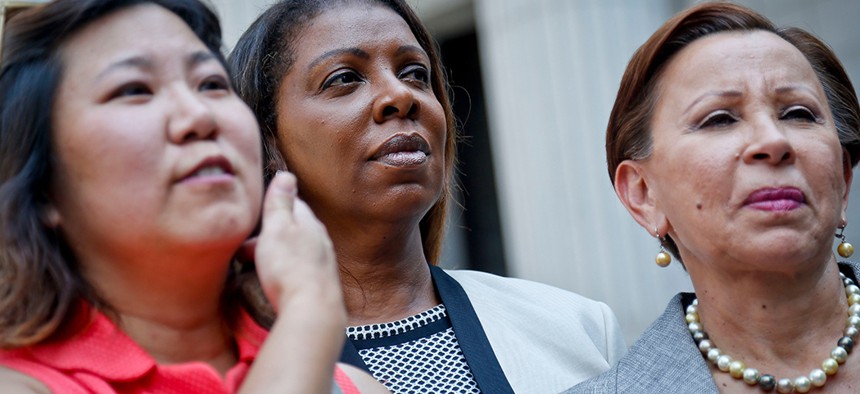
(281, 196)
(294, 255)
(305, 217)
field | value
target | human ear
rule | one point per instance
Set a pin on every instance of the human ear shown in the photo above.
(632, 188)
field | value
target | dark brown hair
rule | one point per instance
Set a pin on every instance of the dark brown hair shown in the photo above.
(41, 288)
(628, 134)
(265, 53)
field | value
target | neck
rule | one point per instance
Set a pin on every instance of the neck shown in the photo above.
(784, 329)
(384, 274)
(169, 306)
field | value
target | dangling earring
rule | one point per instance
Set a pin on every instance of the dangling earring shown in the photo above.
(663, 258)
(844, 249)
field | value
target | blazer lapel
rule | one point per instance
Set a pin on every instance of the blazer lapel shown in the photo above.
(666, 359)
(470, 335)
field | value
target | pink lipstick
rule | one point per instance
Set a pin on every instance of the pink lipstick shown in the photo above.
(778, 199)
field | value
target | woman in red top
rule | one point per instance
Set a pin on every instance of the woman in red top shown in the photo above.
(131, 176)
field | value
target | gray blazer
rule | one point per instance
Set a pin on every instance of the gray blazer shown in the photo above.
(665, 359)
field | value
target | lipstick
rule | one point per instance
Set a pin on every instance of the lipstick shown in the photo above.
(403, 150)
(777, 199)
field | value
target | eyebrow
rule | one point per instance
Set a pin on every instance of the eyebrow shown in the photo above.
(405, 49)
(144, 63)
(794, 88)
(409, 49)
(712, 93)
(199, 57)
(337, 52)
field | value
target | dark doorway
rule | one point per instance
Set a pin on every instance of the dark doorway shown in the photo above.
(479, 221)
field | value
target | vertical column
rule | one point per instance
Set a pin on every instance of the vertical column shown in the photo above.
(236, 17)
(552, 68)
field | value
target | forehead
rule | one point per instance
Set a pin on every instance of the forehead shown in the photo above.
(738, 57)
(132, 31)
(353, 25)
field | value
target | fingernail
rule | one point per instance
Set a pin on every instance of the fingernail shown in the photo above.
(286, 187)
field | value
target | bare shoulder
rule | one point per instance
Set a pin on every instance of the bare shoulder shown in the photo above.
(366, 384)
(14, 382)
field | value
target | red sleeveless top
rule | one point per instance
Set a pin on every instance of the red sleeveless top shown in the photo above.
(102, 359)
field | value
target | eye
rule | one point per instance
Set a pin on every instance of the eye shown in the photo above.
(345, 77)
(416, 72)
(132, 89)
(214, 83)
(721, 118)
(799, 113)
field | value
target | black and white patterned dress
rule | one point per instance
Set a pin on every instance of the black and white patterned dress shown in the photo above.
(530, 338)
(418, 354)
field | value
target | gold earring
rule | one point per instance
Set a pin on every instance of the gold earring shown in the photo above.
(844, 249)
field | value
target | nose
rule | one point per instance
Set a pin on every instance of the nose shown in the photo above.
(768, 143)
(394, 99)
(191, 118)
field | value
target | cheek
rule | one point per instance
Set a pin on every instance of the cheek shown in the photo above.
(437, 121)
(104, 154)
(695, 179)
(825, 176)
(304, 155)
(248, 137)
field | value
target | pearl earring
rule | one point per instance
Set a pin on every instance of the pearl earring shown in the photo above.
(663, 258)
(844, 249)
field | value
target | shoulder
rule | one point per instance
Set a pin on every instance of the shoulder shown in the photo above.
(545, 338)
(520, 295)
(475, 281)
(12, 381)
(664, 359)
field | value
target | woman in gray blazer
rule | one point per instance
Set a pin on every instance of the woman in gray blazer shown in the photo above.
(733, 142)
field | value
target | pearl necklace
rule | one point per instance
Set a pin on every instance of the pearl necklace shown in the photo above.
(817, 377)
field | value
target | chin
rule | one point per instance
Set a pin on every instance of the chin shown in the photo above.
(794, 254)
(226, 228)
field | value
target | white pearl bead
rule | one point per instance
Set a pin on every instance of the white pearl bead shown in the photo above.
(802, 384)
(694, 326)
(692, 309)
(854, 321)
(851, 289)
(854, 309)
(839, 354)
(705, 346)
(854, 299)
(751, 376)
(817, 377)
(852, 332)
(714, 354)
(784, 386)
(723, 362)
